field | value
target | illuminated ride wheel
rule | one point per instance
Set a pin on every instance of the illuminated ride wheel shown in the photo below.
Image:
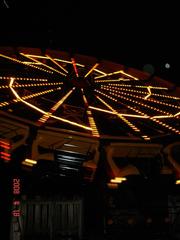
(76, 93)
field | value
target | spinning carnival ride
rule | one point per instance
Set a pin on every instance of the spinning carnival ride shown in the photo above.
(94, 99)
(61, 107)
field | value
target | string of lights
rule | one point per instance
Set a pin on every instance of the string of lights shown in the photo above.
(143, 102)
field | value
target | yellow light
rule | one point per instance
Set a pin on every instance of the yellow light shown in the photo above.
(112, 185)
(177, 114)
(177, 181)
(46, 116)
(115, 181)
(110, 74)
(149, 90)
(57, 63)
(113, 92)
(30, 161)
(113, 80)
(92, 123)
(98, 71)
(27, 164)
(129, 75)
(157, 121)
(65, 61)
(36, 84)
(53, 69)
(101, 110)
(18, 61)
(132, 126)
(91, 70)
(121, 178)
(59, 103)
(41, 111)
(118, 180)
(35, 63)
(163, 116)
(132, 115)
(36, 56)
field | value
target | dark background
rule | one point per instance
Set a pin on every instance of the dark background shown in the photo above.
(128, 32)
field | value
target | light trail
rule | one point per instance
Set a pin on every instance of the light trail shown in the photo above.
(44, 112)
(43, 64)
(144, 114)
(92, 69)
(74, 66)
(20, 62)
(91, 120)
(56, 63)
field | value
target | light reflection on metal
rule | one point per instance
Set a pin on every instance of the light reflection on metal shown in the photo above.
(44, 112)
(90, 71)
(43, 64)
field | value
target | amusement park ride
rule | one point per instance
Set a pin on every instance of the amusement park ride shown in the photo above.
(69, 123)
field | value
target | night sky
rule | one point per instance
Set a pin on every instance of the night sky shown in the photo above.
(129, 33)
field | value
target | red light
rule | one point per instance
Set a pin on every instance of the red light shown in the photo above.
(16, 202)
(5, 146)
(5, 154)
(16, 213)
(75, 68)
(3, 142)
(5, 158)
(16, 186)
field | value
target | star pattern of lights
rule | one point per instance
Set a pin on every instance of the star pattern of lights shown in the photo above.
(85, 97)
